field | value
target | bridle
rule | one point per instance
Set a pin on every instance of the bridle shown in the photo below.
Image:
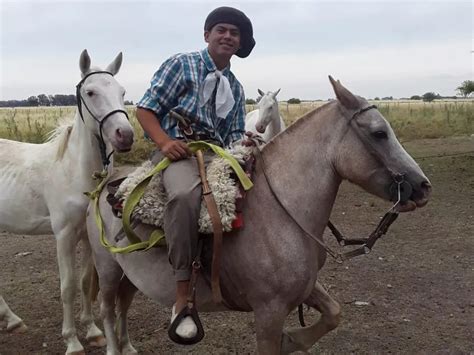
(100, 138)
(399, 195)
(400, 190)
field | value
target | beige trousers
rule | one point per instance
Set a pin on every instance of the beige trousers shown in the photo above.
(182, 184)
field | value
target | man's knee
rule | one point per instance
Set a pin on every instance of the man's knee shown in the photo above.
(185, 197)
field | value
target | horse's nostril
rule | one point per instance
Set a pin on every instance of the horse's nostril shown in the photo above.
(118, 133)
(425, 185)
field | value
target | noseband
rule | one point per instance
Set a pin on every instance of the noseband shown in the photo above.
(100, 138)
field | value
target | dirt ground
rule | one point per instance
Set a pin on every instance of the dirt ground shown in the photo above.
(417, 284)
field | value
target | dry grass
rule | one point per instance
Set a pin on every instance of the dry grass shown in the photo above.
(409, 119)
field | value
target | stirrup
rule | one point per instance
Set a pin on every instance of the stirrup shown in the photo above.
(185, 312)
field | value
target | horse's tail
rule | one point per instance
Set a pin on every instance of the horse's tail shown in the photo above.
(94, 284)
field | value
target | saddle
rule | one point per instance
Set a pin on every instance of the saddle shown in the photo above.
(227, 191)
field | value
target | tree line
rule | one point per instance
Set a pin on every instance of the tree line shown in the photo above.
(46, 100)
(465, 90)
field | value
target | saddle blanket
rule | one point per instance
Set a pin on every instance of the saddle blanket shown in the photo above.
(151, 207)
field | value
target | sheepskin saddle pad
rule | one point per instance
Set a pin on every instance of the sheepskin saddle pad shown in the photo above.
(150, 209)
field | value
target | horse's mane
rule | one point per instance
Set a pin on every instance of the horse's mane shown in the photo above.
(309, 115)
(60, 136)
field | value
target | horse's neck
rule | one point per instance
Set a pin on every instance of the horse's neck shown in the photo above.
(299, 165)
(83, 149)
(275, 123)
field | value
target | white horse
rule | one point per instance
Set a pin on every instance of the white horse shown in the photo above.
(265, 120)
(42, 187)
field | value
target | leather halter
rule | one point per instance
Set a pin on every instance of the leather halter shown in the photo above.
(100, 138)
(400, 190)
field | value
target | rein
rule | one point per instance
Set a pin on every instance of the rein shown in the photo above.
(100, 138)
(399, 192)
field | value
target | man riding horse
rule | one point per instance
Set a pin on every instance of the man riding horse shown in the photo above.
(200, 87)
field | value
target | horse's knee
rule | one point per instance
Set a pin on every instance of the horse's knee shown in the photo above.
(68, 291)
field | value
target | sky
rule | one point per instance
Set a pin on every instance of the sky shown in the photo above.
(376, 48)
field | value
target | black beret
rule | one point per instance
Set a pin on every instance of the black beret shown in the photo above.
(237, 18)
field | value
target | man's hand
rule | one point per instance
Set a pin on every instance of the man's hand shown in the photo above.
(175, 150)
(252, 139)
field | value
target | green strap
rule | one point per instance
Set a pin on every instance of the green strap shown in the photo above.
(139, 190)
(157, 237)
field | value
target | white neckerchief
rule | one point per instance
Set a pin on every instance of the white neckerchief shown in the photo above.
(224, 98)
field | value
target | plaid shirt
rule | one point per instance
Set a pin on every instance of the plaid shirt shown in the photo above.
(175, 86)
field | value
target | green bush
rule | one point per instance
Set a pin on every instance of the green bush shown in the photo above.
(294, 101)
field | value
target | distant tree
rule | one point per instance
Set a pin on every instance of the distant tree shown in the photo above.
(43, 100)
(32, 101)
(387, 98)
(429, 96)
(466, 88)
(129, 103)
(64, 100)
(376, 98)
(250, 102)
(416, 97)
(12, 103)
(294, 100)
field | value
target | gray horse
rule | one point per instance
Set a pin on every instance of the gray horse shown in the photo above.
(271, 266)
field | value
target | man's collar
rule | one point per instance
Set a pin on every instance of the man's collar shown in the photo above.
(209, 63)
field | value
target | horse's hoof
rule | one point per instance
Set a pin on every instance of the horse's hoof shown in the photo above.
(97, 341)
(129, 350)
(17, 328)
(289, 344)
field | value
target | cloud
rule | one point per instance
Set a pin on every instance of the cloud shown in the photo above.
(382, 48)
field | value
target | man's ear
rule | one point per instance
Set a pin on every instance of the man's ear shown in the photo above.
(206, 36)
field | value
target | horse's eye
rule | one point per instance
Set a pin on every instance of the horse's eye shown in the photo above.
(90, 93)
(380, 135)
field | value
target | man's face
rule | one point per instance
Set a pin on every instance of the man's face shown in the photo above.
(223, 40)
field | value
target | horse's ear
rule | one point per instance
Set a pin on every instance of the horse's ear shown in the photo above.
(345, 97)
(276, 93)
(261, 92)
(114, 67)
(84, 62)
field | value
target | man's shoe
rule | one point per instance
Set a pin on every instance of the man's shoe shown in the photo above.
(186, 329)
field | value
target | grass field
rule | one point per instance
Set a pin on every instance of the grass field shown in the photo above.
(409, 119)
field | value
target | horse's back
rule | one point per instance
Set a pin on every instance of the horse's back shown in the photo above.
(23, 208)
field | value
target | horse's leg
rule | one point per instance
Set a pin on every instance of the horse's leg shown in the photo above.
(269, 320)
(125, 297)
(304, 338)
(14, 323)
(66, 241)
(109, 281)
(94, 335)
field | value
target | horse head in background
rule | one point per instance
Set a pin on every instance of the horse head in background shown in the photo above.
(42, 186)
(266, 119)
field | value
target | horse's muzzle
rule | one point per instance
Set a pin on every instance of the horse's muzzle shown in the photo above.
(418, 197)
(123, 140)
